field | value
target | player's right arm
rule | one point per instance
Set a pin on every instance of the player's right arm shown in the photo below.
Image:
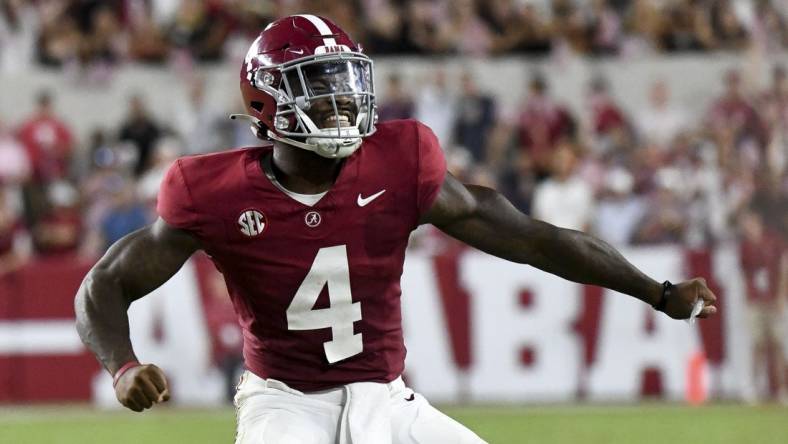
(483, 218)
(133, 267)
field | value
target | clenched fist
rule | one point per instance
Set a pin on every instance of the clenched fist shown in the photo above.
(142, 386)
(685, 294)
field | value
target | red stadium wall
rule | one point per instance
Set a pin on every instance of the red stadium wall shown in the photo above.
(41, 357)
(476, 329)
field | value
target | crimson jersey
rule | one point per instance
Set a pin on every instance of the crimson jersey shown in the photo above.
(316, 289)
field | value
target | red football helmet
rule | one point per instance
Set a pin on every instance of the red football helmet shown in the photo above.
(305, 63)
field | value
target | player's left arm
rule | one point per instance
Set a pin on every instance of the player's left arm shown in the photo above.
(483, 218)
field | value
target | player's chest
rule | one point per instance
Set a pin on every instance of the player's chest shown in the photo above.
(273, 228)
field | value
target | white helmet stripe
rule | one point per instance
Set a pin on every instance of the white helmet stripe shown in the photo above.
(322, 28)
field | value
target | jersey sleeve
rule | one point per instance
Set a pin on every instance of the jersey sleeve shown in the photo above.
(431, 170)
(174, 203)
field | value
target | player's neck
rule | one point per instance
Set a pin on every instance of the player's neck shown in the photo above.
(302, 171)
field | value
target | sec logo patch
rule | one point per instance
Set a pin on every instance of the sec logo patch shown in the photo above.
(252, 223)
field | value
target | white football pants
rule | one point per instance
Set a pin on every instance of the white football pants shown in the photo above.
(270, 412)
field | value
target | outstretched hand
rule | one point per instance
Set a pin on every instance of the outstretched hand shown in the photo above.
(684, 296)
(141, 387)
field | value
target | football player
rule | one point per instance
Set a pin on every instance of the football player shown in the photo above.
(310, 230)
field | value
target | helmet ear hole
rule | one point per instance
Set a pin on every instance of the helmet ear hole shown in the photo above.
(257, 106)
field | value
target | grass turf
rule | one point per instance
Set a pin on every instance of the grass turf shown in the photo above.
(643, 424)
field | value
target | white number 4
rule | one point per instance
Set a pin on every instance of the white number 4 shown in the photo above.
(330, 266)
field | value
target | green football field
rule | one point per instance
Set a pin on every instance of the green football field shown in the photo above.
(643, 424)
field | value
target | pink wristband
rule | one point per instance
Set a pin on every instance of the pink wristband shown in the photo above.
(126, 367)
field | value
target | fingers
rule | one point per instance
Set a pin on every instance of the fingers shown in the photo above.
(137, 401)
(708, 298)
(131, 405)
(157, 378)
(704, 292)
(149, 390)
(141, 388)
(707, 311)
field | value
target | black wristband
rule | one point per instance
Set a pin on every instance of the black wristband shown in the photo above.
(667, 290)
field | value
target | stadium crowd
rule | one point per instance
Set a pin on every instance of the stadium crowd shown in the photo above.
(100, 34)
(657, 176)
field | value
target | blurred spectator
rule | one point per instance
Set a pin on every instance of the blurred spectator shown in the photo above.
(505, 20)
(14, 161)
(125, 215)
(763, 258)
(14, 168)
(643, 25)
(108, 171)
(81, 33)
(665, 220)
(564, 199)
(384, 19)
(537, 30)
(543, 123)
(686, 27)
(770, 27)
(570, 27)
(200, 28)
(147, 41)
(140, 129)
(397, 103)
(60, 229)
(92, 151)
(604, 28)
(168, 150)
(661, 121)
(475, 118)
(607, 118)
(773, 105)
(198, 120)
(436, 106)
(733, 120)
(463, 31)
(103, 43)
(775, 98)
(48, 141)
(516, 27)
(729, 33)
(618, 210)
(60, 39)
(421, 26)
(344, 14)
(18, 33)
(770, 200)
(13, 253)
(49, 145)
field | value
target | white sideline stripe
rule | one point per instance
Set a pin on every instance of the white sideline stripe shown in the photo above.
(322, 28)
(39, 338)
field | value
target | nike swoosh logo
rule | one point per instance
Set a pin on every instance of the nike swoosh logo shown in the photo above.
(297, 51)
(363, 201)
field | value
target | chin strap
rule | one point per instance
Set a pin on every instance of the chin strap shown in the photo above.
(257, 125)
